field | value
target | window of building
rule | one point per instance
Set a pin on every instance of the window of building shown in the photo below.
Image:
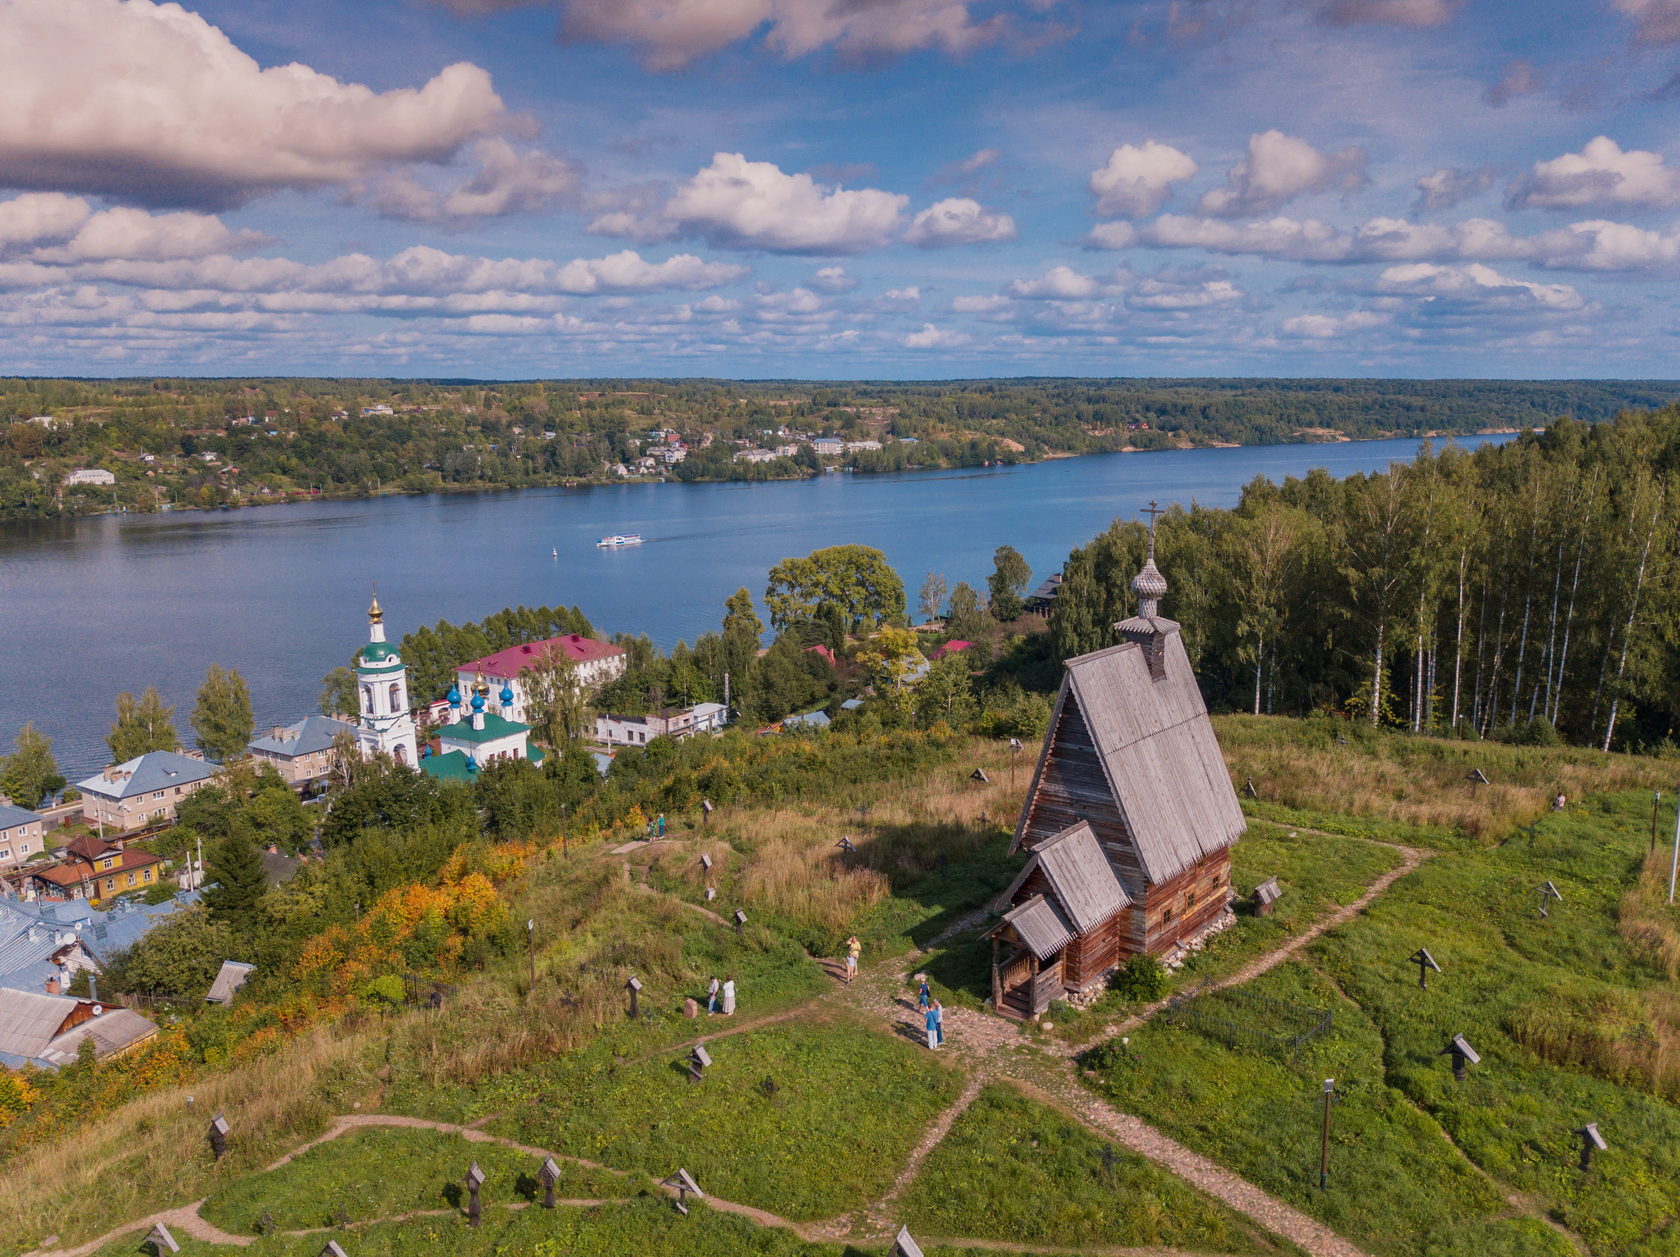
(131, 879)
(395, 694)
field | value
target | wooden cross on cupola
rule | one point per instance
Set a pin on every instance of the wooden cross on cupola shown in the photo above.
(1152, 510)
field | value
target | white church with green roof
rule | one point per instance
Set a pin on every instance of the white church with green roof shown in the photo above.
(385, 722)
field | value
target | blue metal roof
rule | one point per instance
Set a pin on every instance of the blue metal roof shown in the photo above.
(10, 816)
(31, 932)
(311, 734)
(155, 770)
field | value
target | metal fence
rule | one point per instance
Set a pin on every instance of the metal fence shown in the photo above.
(1240, 1018)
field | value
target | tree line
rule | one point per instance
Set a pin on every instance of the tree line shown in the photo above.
(1523, 591)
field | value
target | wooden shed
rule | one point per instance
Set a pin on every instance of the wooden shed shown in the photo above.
(1130, 792)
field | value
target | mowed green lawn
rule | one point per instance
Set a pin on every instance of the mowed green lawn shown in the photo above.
(380, 1172)
(1011, 1169)
(805, 1119)
(1421, 1163)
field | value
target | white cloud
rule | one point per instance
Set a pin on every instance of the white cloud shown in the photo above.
(1062, 283)
(979, 305)
(958, 220)
(1312, 240)
(40, 217)
(1330, 326)
(123, 232)
(1656, 21)
(1389, 12)
(1117, 235)
(508, 181)
(150, 103)
(1475, 285)
(1449, 186)
(931, 337)
(1602, 173)
(1162, 294)
(1137, 178)
(833, 279)
(1280, 168)
(902, 296)
(744, 204)
(671, 33)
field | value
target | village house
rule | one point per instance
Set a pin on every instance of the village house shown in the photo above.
(1043, 598)
(1127, 826)
(592, 665)
(46, 1029)
(828, 446)
(41, 939)
(142, 791)
(754, 456)
(20, 833)
(95, 869)
(671, 722)
(303, 753)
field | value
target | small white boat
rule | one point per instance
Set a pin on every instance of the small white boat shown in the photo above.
(619, 539)
(555, 552)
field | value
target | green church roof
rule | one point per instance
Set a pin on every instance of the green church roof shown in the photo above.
(494, 727)
(378, 652)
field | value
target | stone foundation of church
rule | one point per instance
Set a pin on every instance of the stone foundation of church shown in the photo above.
(1187, 948)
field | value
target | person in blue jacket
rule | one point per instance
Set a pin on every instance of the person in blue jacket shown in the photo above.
(935, 1025)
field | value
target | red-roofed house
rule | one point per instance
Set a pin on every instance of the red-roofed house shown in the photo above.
(593, 664)
(949, 648)
(823, 652)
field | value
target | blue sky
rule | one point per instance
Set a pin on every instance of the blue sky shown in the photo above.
(839, 188)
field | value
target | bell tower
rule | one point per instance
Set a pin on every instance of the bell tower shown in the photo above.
(384, 721)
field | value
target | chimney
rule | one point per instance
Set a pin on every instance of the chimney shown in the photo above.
(52, 985)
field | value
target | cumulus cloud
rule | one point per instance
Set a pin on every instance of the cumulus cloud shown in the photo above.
(1117, 235)
(1388, 12)
(150, 103)
(931, 337)
(1167, 294)
(1475, 285)
(1332, 326)
(671, 33)
(958, 220)
(902, 296)
(1520, 79)
(743, 204)
(1063, 283)
(1137, 178)
(508, 181)
(833, 279)
(979, 304)
(1655, 21)
(1602, 173)
(1449, 186)
(1280, 168)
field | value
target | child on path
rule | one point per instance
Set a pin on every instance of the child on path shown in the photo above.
(924, 996)
(729, 996)
(935, 1026)
(853, 950)
(712, 989)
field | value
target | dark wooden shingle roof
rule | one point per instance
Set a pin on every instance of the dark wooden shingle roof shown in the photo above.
(1080, 876)
(1041, 926)
(1159, 758)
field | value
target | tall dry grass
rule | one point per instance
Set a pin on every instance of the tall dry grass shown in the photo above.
(1646, 920)
(1420, 781)
(1628, 1037)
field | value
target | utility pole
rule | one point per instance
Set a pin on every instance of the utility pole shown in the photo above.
(1324, 1141)
(1656, 799)
(1674, 863)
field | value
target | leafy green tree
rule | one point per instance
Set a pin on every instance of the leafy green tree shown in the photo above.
(338, 693)
(1007, 583)
(30, 773)
(965, 619)
(787, 680)
(947, 693)
(178, 957)
(143, 724)
(222, 719)
(855, 579)
(556, 707)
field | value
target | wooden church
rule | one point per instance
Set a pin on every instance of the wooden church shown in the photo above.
(1128, 824)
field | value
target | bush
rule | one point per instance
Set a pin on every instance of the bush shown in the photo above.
(1141, 979)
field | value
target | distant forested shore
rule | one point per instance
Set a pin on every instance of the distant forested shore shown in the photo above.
(75, 447)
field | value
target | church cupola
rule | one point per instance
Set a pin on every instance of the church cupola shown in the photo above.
(507, 699)
(1148, 628)
(479, 701)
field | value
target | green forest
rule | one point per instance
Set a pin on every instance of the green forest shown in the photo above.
(179, 443)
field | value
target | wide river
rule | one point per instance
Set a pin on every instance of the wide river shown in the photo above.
(92, 606)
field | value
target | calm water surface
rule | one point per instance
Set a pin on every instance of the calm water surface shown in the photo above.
(92, 606)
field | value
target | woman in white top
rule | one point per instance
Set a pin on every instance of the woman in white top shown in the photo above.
(729, 996)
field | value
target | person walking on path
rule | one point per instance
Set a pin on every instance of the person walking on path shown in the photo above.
(924, 996)
(662, 824)
(935, 1026)
(853, 950)
(729, 996)
(712, 989)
